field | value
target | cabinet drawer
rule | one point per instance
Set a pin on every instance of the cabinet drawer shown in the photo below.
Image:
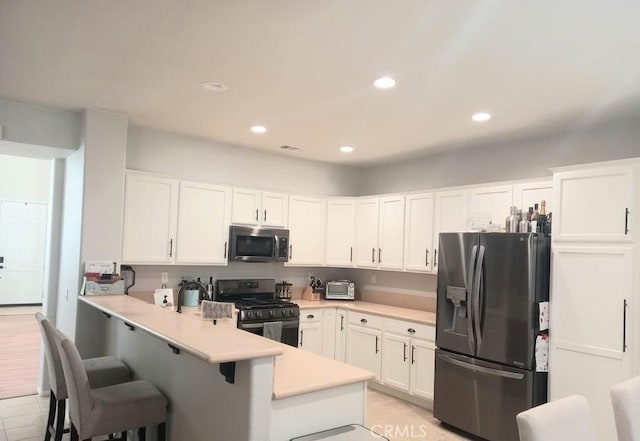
(311, 315)
(364, 320)
(400, 327)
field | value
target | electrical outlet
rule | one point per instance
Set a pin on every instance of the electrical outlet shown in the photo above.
(374, 278)
(164, 277)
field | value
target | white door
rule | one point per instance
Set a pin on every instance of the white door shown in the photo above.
(418, 240)
(204, 214)
(528, 194)
(341, 335)
(275, 207)
(367, 212)
(396, 364)
(310, 338)
(245, 207)
(363, 349)
(423, 367)
(150, 218)
(489, 204)
(391, 232)
(341, 222)
(595, 205)
(23, 228)
(591, 340)
(307, 227)
(450, 217)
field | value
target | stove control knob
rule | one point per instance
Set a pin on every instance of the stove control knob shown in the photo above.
(259, 314)
(249, 314)
(272, 313)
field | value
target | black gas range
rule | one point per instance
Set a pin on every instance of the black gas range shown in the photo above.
(256, 300)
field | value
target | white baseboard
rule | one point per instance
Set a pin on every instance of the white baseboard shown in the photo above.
(427, 404)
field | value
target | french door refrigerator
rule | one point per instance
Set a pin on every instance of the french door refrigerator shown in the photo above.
(489, 289)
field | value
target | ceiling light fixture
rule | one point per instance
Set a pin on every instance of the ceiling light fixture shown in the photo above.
(258, 129)
(481, 117)
(384, 83)
(346, 149)
(212, 86)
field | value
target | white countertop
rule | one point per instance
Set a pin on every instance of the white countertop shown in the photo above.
(412, 315)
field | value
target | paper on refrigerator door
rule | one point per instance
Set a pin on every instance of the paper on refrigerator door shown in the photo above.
(542, 353)
(544, 315)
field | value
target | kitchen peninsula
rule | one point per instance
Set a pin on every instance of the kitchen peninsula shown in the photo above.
(222, 382)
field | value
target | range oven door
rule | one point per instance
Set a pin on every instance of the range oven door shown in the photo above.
(248, 244)
(289, 331)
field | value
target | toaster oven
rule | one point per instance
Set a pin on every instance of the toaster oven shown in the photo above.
(340, 290)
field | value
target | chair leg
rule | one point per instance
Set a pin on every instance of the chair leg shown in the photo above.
(142, 434)
(51, 417)
(162, 431)
(60, 419)
(74, 433)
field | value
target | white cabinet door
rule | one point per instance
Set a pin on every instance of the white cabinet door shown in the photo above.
(391, 233)
(307, 227)
(423, 367)
(329, 333)
(490, 203)
(150, 217)
(528, 194)
(275, 207)
(341, 221)
(204, 214)
(341, 335)
(367, 213)
(590, 288)
(594, 205)
(310, 338)
(418, 230)
(396, 365)
(363, 349)
(246, 206)
(450, 217)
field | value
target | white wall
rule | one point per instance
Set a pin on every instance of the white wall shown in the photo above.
(193, 159)
(508, 159)
(24, 179)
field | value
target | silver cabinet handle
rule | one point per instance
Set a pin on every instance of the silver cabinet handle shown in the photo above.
(626, 221)
(379, 255)
(363, 321)
(265, 215)
(411, 331)
(257, 214)
(290, 251)
(624, 325)
(435, 258)
(310, 316)
(301, 336)
(373, 255)
(225, 249)
(171, 248)
(341, 322)
(351, 254)
(426, 259)
(404, 352)
(413, 354)
(377, 350)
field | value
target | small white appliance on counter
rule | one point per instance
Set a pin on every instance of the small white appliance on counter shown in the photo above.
(341, 290)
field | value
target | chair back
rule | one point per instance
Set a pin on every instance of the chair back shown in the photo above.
(625, 398)
(80, 401)
(54, 365)
(560, 420)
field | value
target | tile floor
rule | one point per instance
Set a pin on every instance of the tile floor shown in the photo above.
(24, 419)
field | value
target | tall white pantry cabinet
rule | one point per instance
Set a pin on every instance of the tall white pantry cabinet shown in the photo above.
(595, 291)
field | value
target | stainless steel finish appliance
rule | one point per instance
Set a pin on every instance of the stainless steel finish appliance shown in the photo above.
(248, 244)
(489, 288)
(340, 290)
(256, 300)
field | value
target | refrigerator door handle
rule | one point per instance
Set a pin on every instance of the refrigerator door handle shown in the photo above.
(477, 310)
(470, 306)
(482, 369)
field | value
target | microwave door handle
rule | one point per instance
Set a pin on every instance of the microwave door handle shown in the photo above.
(276, 245)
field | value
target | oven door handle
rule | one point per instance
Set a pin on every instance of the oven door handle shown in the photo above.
(287, 325)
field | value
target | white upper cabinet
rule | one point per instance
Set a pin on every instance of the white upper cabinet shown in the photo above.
(150, 217)
(367, 232)
(307, 228)
(489, 204)
(341, 222)
(418, 230)
(204, 214)
(391, 233)
(252, 207)
(528, 194)
(595, 205)
(450, 216)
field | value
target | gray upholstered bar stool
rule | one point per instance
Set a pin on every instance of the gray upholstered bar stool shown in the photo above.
(110, 409)
(101, 371)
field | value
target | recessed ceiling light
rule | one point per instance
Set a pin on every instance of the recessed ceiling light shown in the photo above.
(481, 116)
(384, 83)
(346, 149)
(212, 86)
(258, 129)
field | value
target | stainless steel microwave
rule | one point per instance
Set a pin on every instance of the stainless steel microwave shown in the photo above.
(249, 244)
(341, 290)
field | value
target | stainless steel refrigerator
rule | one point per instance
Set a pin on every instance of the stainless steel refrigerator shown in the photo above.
(489, 289)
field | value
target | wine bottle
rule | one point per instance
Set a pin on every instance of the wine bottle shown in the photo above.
(542, 218)
(534, 219)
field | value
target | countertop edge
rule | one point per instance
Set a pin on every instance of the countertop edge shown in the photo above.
(358, 306)
(318, 387)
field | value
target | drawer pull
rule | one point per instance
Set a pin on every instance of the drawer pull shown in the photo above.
(404, 353)
(363, 321)
(413, 352)
(310, 316)
(377, 350)
(411, 331)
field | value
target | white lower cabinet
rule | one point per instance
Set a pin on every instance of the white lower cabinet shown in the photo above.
(340, 352)
(396, 366)
(423, 368)
(363, 348)
(311, 331)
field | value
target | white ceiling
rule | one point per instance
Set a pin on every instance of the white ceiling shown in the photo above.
(303, 68)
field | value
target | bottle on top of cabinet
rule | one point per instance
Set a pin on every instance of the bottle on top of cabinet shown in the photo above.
(512, 222)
